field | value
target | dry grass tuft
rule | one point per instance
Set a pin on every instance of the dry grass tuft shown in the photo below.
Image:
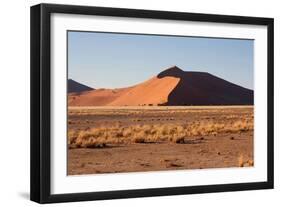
(240, 161)
(247, 163)
(176, 133)
(250, 162)
(139, 140)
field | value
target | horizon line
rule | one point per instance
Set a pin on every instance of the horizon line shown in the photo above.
(173, 66)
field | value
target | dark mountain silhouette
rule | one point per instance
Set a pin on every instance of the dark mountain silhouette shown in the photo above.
(75, 87)
(201, 88)
(172, 87)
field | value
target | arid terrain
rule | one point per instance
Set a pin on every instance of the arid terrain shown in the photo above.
(174, 120)
(109, 139)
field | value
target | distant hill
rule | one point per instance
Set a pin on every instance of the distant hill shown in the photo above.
(75, 87)
(171, 87)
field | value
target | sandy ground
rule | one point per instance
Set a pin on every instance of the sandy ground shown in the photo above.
(211, 151)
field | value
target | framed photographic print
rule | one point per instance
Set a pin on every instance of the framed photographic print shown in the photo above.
(133, 103)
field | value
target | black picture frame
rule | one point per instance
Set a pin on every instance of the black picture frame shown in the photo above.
(41, 97)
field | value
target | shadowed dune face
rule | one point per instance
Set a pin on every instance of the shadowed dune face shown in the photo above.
(173, 86)
(200, 88)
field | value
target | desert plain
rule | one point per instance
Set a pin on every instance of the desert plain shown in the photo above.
(116, 139)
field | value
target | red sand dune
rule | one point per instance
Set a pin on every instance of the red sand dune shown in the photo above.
(170, 87)
(152, 92)
(98, 97)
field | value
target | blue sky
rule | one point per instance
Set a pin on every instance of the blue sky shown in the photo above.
(110, 60)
